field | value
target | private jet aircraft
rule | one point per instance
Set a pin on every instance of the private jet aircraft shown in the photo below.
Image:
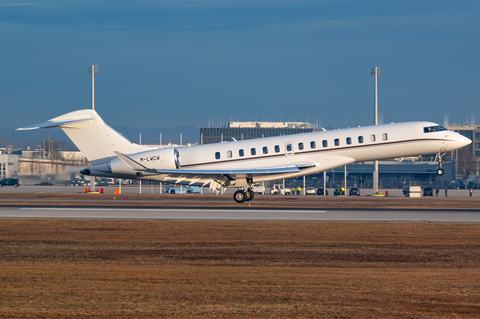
(242, 164)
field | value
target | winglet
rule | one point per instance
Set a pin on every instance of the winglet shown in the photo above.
(130, 162)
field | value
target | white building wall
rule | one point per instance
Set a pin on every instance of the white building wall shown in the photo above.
(8, 165)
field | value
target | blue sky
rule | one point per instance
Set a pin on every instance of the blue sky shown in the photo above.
(179, 63)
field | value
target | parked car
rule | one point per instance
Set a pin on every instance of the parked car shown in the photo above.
(182, 190)
(258, 189)
(9, 182)
(78, 182)
(322, 191)
(102, 183)
(310, 191)
(44, 184)
(354, 191)
(428, 191)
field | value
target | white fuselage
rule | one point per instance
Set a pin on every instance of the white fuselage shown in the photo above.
(319, 150)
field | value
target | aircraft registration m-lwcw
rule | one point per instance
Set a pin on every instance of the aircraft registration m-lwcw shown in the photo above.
(242, 164)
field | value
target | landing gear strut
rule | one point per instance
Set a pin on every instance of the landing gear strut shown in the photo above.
(243, 195)
(440, 170)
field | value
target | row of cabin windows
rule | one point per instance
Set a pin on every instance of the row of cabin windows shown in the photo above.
(301, 146)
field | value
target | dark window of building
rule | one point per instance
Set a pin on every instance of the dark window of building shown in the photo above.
(265, 150)
(360, 139)
(313, 145)
(217, 155)
(349, 140)
(337, 142)
(241, 153)
(277, 148)
(300, 146)
(324, 143)
(253, 151)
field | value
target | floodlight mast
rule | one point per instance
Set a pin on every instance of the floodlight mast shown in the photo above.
(376, 73)
(93, 70)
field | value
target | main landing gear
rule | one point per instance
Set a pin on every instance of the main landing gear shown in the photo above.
(440, 170)
(243, 195)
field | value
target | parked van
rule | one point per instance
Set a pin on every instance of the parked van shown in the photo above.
(277, 189)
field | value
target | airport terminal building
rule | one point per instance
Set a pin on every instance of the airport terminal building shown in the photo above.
(248, 130)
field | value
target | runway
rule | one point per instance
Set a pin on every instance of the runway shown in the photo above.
(341, 215)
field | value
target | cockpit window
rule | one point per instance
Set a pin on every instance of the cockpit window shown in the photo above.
(430, 129)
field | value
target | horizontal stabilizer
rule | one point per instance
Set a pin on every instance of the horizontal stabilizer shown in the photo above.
(52, 123)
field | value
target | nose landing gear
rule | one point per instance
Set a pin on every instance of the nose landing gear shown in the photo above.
(243, 195)
(439, 157)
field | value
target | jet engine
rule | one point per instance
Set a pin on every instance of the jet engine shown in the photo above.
(155, 159)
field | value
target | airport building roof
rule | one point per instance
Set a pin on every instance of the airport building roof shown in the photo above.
(270, 125)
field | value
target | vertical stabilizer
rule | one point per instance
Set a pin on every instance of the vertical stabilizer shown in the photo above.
(94, 138)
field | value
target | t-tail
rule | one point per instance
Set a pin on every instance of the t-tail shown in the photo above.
(97, 141)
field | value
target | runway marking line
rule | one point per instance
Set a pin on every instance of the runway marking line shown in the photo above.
(173, 210)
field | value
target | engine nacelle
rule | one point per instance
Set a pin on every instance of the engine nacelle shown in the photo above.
(167, 158)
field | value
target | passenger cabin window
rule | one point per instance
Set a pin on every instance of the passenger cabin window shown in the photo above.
(229, 154)
(217, 155)
(300, 146)
(253, 151)
(277, 148)
(430, 129)
(336, 142)
(349, 140)
(324, 143)
(372, 138)
(384, 136)
(312, 144)
(241, 153)
(360, 139)
(289, 147)
(265, 150)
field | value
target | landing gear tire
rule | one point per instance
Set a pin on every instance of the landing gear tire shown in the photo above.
(240, 196)
(440, 172)
(250, 195)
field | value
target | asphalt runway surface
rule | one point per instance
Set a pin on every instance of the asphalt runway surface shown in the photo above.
(346, 215)
(155, 189)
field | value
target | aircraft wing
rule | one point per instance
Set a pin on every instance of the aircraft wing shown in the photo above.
(218, 176)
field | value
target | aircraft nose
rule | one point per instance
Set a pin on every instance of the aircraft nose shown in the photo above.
(463, 141)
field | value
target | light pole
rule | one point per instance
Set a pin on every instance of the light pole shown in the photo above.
(376, 72)
(93, 70)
